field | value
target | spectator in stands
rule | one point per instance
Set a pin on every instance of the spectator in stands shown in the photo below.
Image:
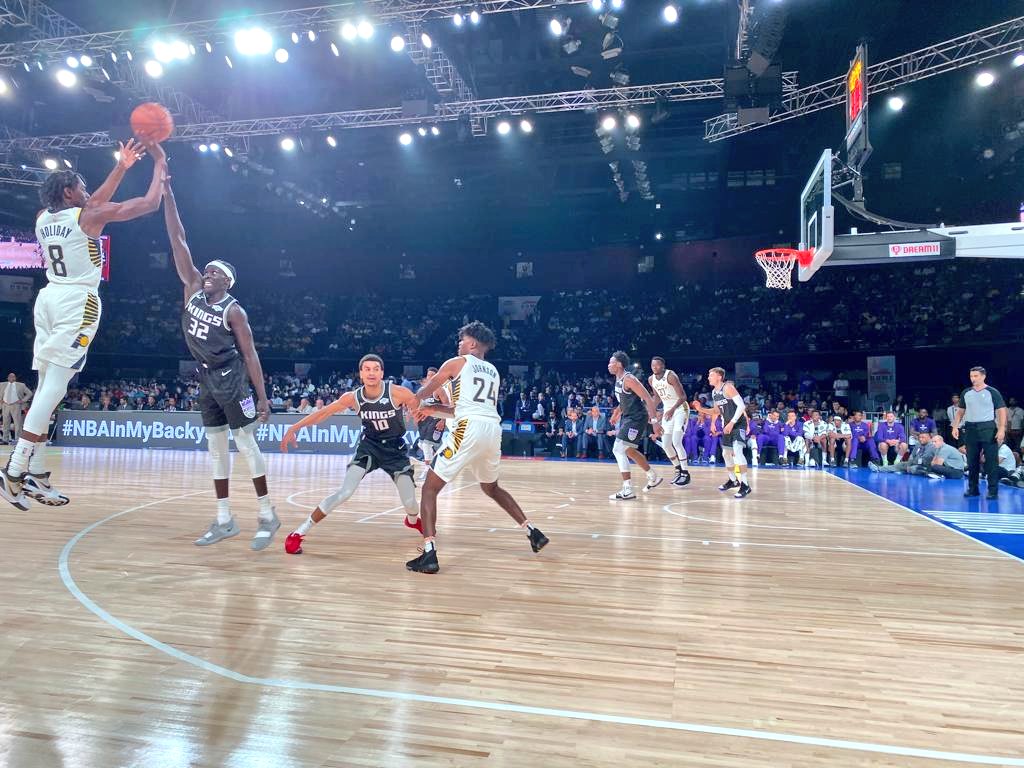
(106, 404)
(862, 441)
(841, 386)
(954, 403)
(595, 430)
(920, 461)
(524, 411)
(172, 405)
(304, 406)
(793, 434)
(85, 403)
(151, 404)
(839, 434)
(1014, 422)
(572, 434)
(923, 422)
(1007, 461)
(540, 408)
(553, 435)
(891, 439)
(947, 462)
(900, 407)
(319, 404)
(771, 442)
(124, 404)
(816, 440)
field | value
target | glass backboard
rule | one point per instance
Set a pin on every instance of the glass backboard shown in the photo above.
(817, 216)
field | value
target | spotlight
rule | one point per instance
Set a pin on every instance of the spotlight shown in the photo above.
(896, 103)
(581, 71)
(616, 5)
(571, 45)
(228, 152)
(311, 35)
(71, 61)
(988, 154)
(154, 68)
(609, 20)
(179, 50)
(504, 127)
(596, 5)
(323, 200)
(334, 49)
(287, 143)
(332, 142)
(657, 206)
(632, 122)
(397, 43)
(556, 27)
(619, 77)
(67, 78)
(426, 41)
(348, 31)
(3, 86)
(25, 65)
(50, 164)
(105, 73)
(608, 123)
(128, 55)
(191, 50)
(658, 235)
(435, 130)
(203, 148)
(984, 79)
(421, 131)
(670, 14)
(162, 51)
(67, 163)
(525, 126)
(253, 41)
(214, 146)
(86, 60)
(1018, 60)
(280, 55)
(405, 139)
(295, 38)
(209, 47)
(457, 19)
(474, 17)
(227, 60)
(365, 29)
(113, 57)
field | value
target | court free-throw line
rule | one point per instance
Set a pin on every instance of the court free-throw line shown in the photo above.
(494, 706)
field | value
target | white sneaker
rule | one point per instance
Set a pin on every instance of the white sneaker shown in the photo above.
(653, 482)
(38, 487)
(622, 495)
(12, 491)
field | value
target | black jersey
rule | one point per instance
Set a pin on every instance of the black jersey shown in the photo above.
(631, 406)
(207, 334)
(727, 407)
(382, 419)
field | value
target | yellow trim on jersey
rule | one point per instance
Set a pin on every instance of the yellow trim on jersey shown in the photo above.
(456, 390)
(95, 253)
(78, 214)
(91, 313)
(457, 437)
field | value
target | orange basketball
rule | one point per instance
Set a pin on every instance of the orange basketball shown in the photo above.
(152, 122)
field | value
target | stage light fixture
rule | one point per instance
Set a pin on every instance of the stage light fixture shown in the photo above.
(596, 5)
(608, 123)
(281, 55)
(670, 14)
(581, 71)
(435, 130)
(334, 49)
(179, 50)
(85, 60)
(72, 62)
(1018, 60)
(658, 236)
(365, 29)
(504, 127)
(525, 125)
(619, 77)
(332, 142)
(191, 50)
(405, 139)
(154, 68)
(895, 103)
(50, 164)
(616, 5)
(457, 19)
(426, 41)
(609, 20)
(288, 144)
(474, 17)
(209, 47)
(571, 45)
(128, 55)
(254, 41)
(227, 60)
(556, 27)
(421, 131)
(204, 148)
(295, 38)
(311, 36)
(228, 152)
(397, 43)
(214, 146)
(67, 78)
(113, 57)
(632, 121)
(984, 79)
(3, 86)
(349, 32)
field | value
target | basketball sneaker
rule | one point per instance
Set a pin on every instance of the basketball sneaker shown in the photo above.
(728, 485)
(538, 540)
(11, 490)
(745, 490)
(622, 495)
(417, 526)
(293, 543)
(653, 481)
(682, 478)
(38, 487)
(425, 563)
(265, 532)
(218, 532)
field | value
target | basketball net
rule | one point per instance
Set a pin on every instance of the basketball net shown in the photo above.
(777, 264)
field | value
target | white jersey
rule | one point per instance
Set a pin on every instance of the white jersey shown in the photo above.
(475, 391)
(665, 391)
(72, 257)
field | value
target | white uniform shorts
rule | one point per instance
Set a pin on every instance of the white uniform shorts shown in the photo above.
(677, 423)
(472, 444)
(66, 319)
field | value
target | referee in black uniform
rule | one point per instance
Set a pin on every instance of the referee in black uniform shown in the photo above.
(984, 429)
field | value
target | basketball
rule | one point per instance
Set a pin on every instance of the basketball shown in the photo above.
(152, 122)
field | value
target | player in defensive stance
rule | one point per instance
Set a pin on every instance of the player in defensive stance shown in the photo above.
(727, 403)
(474, 443)
(67, 310)
(635, 414)
(674, 418)
(218, 335)
(382, 446)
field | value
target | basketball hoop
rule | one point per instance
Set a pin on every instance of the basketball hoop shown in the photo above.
(777, 264)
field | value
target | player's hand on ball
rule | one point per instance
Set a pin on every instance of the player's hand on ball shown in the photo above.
(130, 153)
(263, 410)
(157, 151)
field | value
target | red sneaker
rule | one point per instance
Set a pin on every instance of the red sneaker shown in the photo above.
(293, 544)
(417, 526)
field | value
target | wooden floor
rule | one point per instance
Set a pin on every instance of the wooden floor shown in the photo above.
(812, 624)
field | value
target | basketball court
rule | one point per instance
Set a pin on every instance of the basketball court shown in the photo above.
(814, 623)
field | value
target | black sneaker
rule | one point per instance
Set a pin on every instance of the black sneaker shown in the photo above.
(538, 540)
(425, 563)
(682, 478)
(745, 490)
(728, 485)
(971, 493)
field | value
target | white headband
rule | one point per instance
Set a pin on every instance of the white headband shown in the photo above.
(223, 267)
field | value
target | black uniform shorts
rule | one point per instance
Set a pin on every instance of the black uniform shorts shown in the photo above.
(390, 455)
(225, 396)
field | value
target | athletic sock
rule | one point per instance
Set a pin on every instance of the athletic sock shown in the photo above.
(223, 511)
(743, 478)
(18, 462)
(527, 526)
(428, 545)
(627, 487)
(676, 464)
(37, 462)
(308, 523)
(266, 508)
